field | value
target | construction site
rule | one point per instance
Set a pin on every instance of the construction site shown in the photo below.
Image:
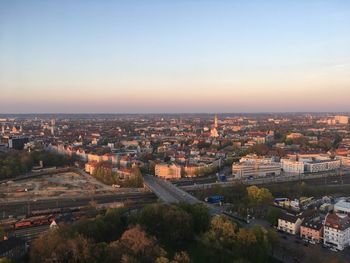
(68, 184)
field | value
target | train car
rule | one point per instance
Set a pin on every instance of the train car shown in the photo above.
(39, 221)
(23, 223)
(46, 212)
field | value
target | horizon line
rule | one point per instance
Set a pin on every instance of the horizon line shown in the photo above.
(169, 113)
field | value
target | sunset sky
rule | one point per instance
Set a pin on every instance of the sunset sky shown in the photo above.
(174, 56)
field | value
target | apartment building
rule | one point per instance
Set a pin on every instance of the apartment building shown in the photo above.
(337, 231)
(312, 230)
(289, 223)
(168, 171)
(322, 166)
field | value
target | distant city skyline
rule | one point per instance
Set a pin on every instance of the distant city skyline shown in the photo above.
(174, 56)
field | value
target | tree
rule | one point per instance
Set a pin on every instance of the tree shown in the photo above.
(56, 247)
(164, 221)
(136, 245)
(200, 216)
(103, 173)
(220, 239)
(136, 179)
(181, 257)
(272, 215)
(259, 198)
(102, 228)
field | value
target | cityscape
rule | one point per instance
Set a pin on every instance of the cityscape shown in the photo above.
(174, 131)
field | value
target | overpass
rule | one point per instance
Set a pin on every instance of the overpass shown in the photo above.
(169, 193)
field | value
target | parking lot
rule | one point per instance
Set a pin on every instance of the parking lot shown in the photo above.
(304, 251)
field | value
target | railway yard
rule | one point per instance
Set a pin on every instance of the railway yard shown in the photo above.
(28, 206)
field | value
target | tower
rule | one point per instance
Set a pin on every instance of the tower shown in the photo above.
(214, 132)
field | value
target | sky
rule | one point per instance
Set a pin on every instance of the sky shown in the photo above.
(178, 56)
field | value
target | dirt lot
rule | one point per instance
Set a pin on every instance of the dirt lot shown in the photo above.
(56, 185)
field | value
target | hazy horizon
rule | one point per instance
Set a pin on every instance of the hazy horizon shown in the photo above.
(179, 113)
(174, 56)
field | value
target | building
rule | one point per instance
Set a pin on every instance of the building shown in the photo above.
(91, 166)
(322, 166)
(339, 119)
(247, 169)
(168, 171)
(17, 142)
(124, 173)
(294, 135)
(192, 170)
(289, 223)
(342, 207)
(310, 163)
(255, 159)
(214, 132)
(336, 232)
(344, 160)
(312, 230)
(291, 166)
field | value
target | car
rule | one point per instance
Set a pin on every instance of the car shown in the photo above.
(333, 249)
(306, 244)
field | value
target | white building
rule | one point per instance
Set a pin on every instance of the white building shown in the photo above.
(247, 169)
(322, 166)
(255, 159)
(337, 231)
(342, 207)
(291, 166)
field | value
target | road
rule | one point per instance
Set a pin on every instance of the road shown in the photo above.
(169, 193)
(20, 208)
